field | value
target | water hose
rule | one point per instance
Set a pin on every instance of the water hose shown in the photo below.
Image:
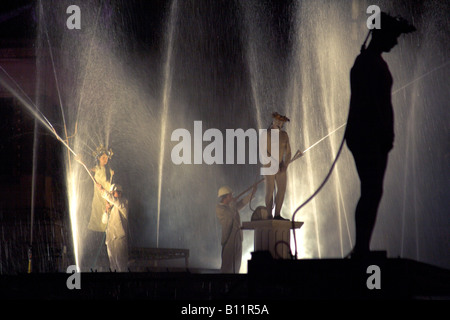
(316, 192)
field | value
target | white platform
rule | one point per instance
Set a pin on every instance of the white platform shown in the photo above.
(273, 236)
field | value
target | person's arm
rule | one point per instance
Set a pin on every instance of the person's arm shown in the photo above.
(243, 202)
(119, 203)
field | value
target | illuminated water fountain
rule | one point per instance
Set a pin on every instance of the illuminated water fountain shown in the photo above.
(134, 73)
(311, 86)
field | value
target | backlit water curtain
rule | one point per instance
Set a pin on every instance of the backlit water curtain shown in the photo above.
(133, 74)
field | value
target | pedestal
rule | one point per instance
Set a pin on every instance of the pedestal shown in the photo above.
(273, 236)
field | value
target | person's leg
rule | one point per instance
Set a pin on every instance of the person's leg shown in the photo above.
(111, 255)
(270, 185)
(122, 254)
(281, 179)
(237, 253)
(371, 167)
(227, 257)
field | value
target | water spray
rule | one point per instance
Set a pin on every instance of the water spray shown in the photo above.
(165, 102)
(296, 156)
(319, 141)
(40, 116)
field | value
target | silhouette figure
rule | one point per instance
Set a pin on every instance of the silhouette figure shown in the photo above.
(370, 125)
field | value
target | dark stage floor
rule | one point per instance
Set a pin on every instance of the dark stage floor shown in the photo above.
(267, 280)
(374, 278)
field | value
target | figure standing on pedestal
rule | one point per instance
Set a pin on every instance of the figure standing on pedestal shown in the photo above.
(370, 125)
(103, 174)
(284, 157)
(95, 255)
(227, 211)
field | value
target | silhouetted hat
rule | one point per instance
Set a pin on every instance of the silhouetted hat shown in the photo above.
(396, 25)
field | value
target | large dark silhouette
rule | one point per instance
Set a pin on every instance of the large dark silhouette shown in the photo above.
(370, 126)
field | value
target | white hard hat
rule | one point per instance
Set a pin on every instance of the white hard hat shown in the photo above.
(223, 191)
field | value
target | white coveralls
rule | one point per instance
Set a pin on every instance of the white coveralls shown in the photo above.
(116, 232)
(280, 178)
(231, 240)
